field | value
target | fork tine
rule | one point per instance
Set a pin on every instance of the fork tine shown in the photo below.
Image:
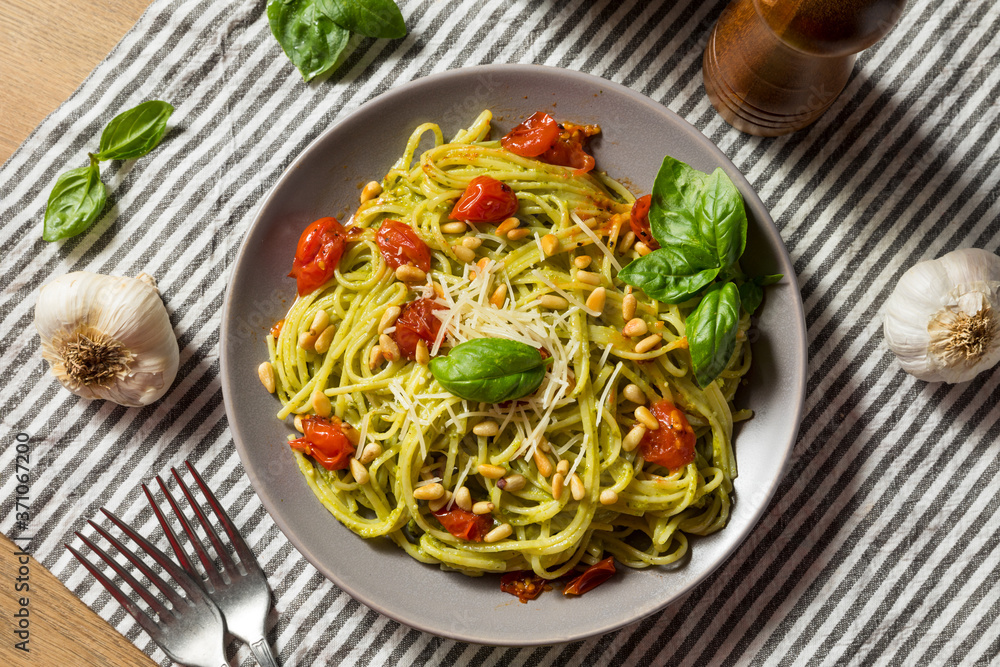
(134, 558)
(227, 561)
(183, 579)
(143, 592)
(131, 607)
(199, 546)
(245, 553)
(179, 551)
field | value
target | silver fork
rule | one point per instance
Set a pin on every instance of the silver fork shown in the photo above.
(191, 630)
(241, 593)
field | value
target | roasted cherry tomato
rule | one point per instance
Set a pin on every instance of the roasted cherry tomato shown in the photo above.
(485, 200)
(276, 328)
(416, 322)
(464, 524)
(639, 221)
(592, 577)
(671, 445)
(532, 137)
(317, 255)
(400, 245)
(325, 440)
(568, 149)
(525, 584)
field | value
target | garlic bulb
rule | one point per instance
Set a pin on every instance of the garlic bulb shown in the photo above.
(107, 337)
(941, 321)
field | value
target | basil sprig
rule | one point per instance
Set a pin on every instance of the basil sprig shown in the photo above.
(314, 33)
(701, 225)
(490, 370)
(79, 196)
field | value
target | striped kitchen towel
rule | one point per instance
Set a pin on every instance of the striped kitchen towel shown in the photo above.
(880, 546)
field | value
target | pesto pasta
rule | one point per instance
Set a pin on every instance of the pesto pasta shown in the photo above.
(558, 476)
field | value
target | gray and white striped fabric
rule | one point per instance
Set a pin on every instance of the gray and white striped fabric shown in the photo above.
(880, 546)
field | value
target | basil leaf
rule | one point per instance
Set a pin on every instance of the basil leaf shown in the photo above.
(309, 38)
(711, 331)
(371, 18)
(77, 198)
(769, 279)
(490, 370)
(135, 132)
(692, 208)
(672, 274)
(752, 291)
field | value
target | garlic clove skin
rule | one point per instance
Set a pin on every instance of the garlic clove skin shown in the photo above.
(942, 321)
(107, 337)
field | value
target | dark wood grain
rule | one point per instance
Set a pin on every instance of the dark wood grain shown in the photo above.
(774, 66)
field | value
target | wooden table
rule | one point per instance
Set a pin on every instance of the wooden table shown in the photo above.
(47, 48)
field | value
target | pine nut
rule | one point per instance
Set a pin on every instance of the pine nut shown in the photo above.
(453, 228)
(642, 249)
(628, 307)
(576, 487)
(298, 424)
(320, 322)
(321, 404)
(463, 498)
(633, 437)
(583, 261)
(550, 244)
(352, 433)
(407, 273)
(371, 452)
(389, 318)
(307, 341)
(472, 242)
(635, 327)
(633, 393)
(542, 463)
(389, 348)
(596, 299)
(501, 532)
(499, 295)
(544, 444)
(266, 374)
(552, 301)
(627, 241)
(465, 255)
(507, 225)
(647, 418)
(429, 491)
(422, 354)
(375, 358)
(322, 343)
(563, 467)
(648, 343)
(588, 277)
(438, 503)
(372, 190)
(487, 428)
(518, 234)
(359, 472)
(512, 483)
(483, 507)
(609, 497)
(557, 485)
(491, 471)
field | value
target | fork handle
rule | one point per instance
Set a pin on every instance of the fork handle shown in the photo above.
(263, 653)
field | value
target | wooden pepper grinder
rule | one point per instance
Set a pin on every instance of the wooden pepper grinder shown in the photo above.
(774, 66)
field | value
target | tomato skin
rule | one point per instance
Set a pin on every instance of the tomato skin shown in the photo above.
(639, 221)
(533, 137)
(324, 440)
(671, 445)
(592, 577)
(568, 149)
(320, 248)
(416, 322)
(400, 245)
(276, 328)
(485, 200)
(525, 584)
(464, 524)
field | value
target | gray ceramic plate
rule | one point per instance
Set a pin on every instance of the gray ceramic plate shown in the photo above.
(324, 180)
